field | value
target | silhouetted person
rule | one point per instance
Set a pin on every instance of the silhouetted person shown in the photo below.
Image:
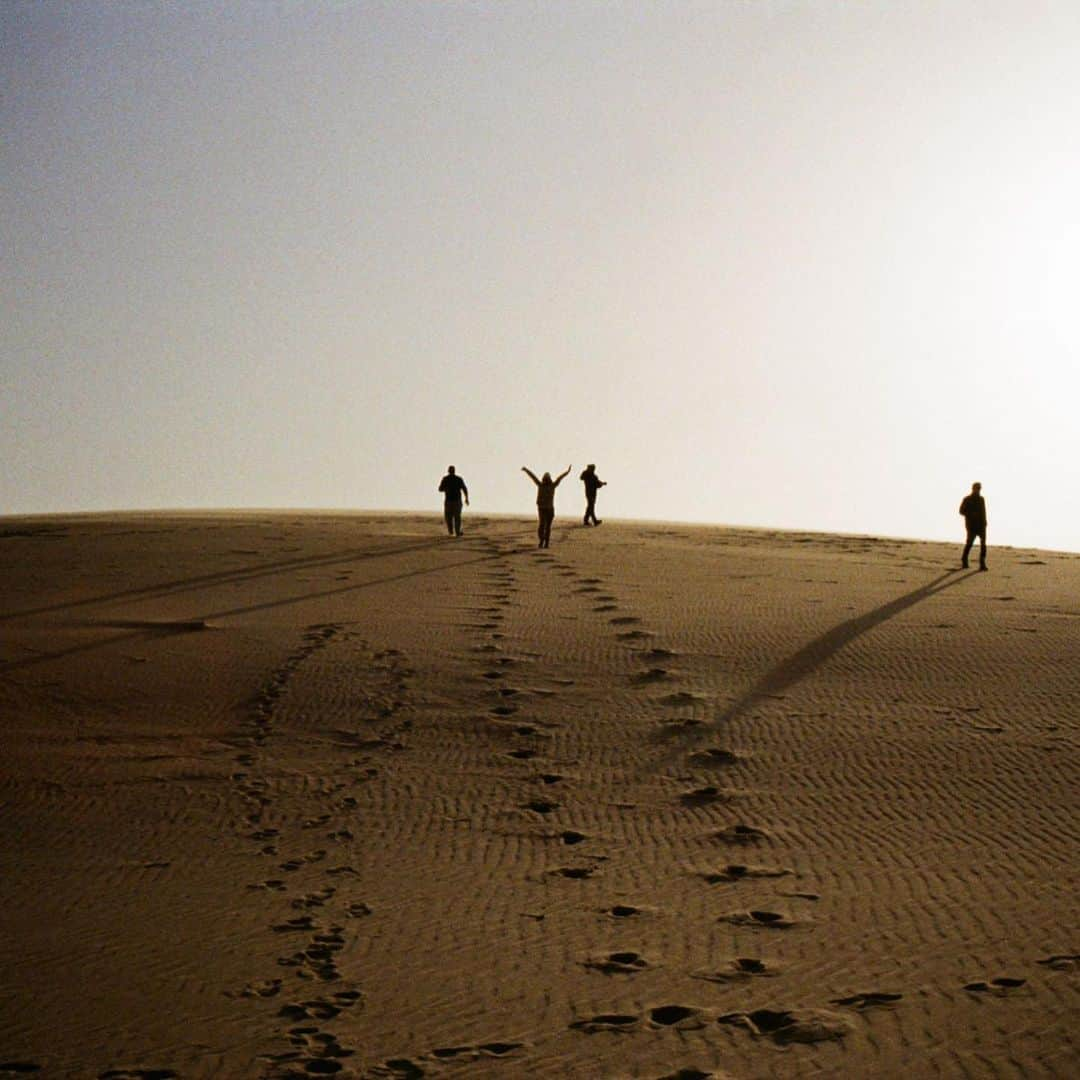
(593, 484)
(973, 509)
(453, 487)
(545, 502)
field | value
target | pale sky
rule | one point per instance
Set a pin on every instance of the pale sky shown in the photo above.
(811, 265)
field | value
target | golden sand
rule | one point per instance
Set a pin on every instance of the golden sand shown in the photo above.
(327, 794)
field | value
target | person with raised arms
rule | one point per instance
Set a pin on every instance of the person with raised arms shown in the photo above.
(545, 501)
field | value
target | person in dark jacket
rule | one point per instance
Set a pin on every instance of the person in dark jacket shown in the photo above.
(453, 487)
(593, 484)
(973, 510)
(545, 501)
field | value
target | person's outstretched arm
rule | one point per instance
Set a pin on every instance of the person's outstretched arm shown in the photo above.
(562, 476)
(532, 475)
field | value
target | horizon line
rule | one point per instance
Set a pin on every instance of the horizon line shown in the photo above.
(178, 511)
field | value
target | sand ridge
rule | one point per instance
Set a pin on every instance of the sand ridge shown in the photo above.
(338, 795)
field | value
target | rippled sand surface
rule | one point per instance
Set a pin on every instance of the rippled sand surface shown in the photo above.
(313, 794)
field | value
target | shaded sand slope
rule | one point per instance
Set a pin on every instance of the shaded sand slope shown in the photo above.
(295, 795)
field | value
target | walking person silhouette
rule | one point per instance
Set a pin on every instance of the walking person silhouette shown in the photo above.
(973, 509)
(545, 502)
(453, 487)
(593, 484)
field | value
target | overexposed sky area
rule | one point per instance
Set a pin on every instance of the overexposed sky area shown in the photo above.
(805, 264)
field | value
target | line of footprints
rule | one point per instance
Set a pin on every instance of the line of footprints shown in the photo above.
(310, 957)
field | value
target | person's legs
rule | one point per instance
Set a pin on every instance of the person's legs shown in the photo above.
(448, 515)
(546, 518)
(540, 526)
(590, 509)
(967, 548)
(457, 520)
(982, 549)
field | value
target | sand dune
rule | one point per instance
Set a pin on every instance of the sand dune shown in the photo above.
(312, 794)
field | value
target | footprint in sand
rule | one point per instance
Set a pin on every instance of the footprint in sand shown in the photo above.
(1062, 962)
(541, 806)
(618, 963)
(737, 872)
(298, 925)
(295, 864)
(651, 675)
(740, 834)
(271, 885)
(313, 899)
(267, 989)
(574, 873)
(633, 635)
(757, 918)
(624, 620)
(492, 1049)
(682, 1017)
(320, 1008)
(403, 1068)
(605, 1022)
(742, 967)
(680, 699)
(716, 756)
(705, 796)
(137, 1074)
(1000, 986)
(448, 1053)
(791, 1025)
(499, 1049)
(867, 1001)
(528, 729)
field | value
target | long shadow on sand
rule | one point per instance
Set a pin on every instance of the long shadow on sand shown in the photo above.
(142, 630)
(810, 657)
(229, 577)
(226, 577)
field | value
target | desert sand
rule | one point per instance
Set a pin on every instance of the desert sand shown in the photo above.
(330, 794)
